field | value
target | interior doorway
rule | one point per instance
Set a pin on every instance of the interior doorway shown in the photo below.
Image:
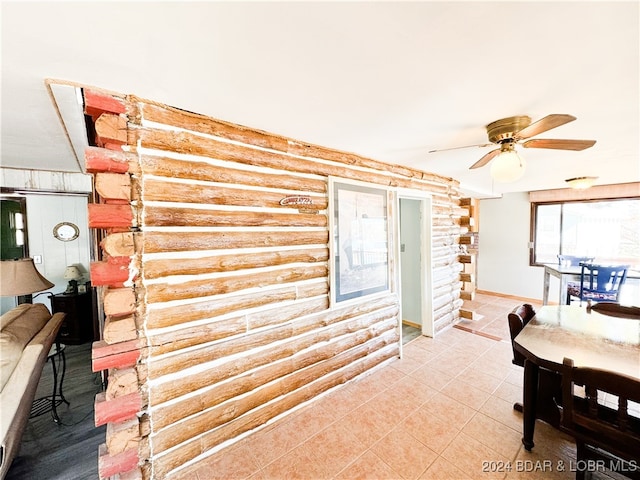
(415, 259)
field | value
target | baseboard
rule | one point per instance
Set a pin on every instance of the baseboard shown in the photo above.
(412, 324)
(512, 297)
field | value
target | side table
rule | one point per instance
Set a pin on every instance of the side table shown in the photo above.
(50, 403)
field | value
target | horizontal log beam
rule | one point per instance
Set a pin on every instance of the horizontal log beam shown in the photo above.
(253, 379)
(104, 160)
(120, 409)
(173, 169)
(160, 216)
(119, 355)
(154, 242)
(110, 216)
(110, 465)
(203, 124)
(97, 103)
(229, 263)
(188, 143)
(343, 321)
(164, 292)
(115, 271)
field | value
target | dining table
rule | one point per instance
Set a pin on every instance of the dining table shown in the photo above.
(566, 274)
(602, 339)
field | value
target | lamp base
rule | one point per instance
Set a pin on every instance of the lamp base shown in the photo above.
(72, 287)
(24, 299)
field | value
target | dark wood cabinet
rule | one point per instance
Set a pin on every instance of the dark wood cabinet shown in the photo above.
(77, 327)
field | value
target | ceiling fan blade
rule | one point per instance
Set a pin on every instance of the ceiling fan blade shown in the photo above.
(486, 159)
(546, 123)
(559, 144)
(457, 148)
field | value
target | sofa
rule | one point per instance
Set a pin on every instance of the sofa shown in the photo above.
(27, 333)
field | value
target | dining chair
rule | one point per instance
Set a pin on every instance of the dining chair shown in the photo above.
(606, 434)
(573, 288)
(549, 382)
(599, 283)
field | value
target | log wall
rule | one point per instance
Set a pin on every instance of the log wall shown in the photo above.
(215, 294)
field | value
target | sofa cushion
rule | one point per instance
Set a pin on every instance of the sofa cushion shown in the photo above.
(17, 328)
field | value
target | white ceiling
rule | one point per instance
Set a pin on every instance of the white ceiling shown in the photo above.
(388, 80)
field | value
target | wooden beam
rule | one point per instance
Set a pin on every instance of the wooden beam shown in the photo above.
(119, 302)
(103, 160)
(111, 129)
(118, 355)
(118, 410)
(110, 465)
(96, 103)
(113, 186)
(110, 216)
(115, 271)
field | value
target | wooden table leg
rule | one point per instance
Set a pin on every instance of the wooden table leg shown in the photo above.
(530, 394)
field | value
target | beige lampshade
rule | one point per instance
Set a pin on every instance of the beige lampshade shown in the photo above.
(20, 277)
(72, 273)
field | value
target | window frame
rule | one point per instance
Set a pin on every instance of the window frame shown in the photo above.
(534, 220)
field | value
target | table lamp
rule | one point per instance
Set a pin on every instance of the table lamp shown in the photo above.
(73, 274)
(20, 278)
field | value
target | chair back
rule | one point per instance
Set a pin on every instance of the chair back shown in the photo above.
(518, 318)
(572, 260)
(602, 282)
(603, 425)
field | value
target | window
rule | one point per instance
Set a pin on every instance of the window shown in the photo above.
(12, 229)
(608, 230)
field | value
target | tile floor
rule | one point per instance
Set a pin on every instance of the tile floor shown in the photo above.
(443, 411)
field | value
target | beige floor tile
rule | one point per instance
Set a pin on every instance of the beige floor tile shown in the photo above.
(419, 354)
(334, 448)
(235, 462)
(466, 394)
(493, 434)
(509, 392)
(369, 423)
(432, 431)
(442, 469)
(503, 412)
(407, 456)
(456, 414)
(298, 464)
(407, 364)
(368, 467)
(432, 377)
(475, 458)
(479, 379)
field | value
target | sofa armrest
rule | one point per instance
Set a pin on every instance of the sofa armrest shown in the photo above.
(18, 398)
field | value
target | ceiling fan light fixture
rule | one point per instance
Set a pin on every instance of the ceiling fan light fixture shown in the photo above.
(581, 183)
(507, 166)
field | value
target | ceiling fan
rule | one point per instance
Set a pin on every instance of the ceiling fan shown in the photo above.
(512, 131)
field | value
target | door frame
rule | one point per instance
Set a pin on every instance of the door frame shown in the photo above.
(425, 257)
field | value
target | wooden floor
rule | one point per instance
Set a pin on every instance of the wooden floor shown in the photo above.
(68, 450)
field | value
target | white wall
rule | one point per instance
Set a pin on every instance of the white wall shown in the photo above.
(503, 258)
